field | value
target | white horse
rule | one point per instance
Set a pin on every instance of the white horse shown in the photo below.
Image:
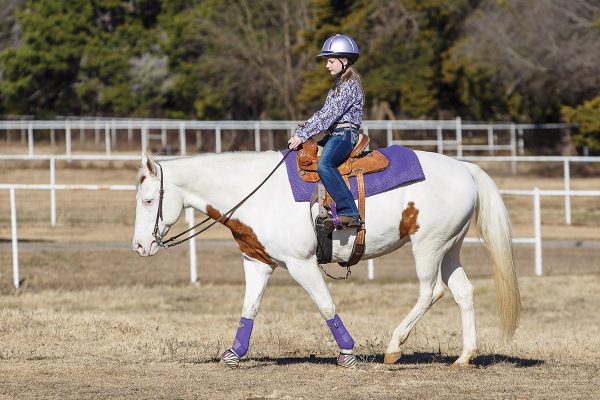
(273, 230)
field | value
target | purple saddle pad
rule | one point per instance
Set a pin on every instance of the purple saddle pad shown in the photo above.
(404, 167)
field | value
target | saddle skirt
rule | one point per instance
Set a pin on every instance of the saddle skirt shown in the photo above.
(403, 167)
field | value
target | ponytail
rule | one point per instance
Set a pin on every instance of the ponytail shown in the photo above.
(351, 73)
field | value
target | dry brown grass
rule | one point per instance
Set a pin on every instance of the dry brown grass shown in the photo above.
(163, 341)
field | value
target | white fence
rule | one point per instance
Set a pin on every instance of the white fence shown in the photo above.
(109, 127)
(566, 161)
(536, 240)
(12, 188)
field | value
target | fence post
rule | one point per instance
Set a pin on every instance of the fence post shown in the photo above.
(459, 137)
(113, 133)
(182, 143)
(30, 138)
(537, 226)
(218, 139)
(513, 148)
(144, 138)
(13, 229)
(163, 135)
(52, 192)
(68, 139)
(129, 133)
(390, 136)
(521, 142)
(490, 131)
(370, 270)
(271, 140)
(189, 214)
(440, 140)
(81, 132)
(257, 136)
(567, 175)
(107, 137)
(96, 132)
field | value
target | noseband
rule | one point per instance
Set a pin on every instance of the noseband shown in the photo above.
(159, 213)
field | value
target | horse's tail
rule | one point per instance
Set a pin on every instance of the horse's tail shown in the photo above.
(493, 226)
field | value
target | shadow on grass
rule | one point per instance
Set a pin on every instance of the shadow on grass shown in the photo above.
(482, 361)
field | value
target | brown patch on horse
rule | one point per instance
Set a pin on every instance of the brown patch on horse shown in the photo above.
(408, 224)
(244, 236)
(142, 178)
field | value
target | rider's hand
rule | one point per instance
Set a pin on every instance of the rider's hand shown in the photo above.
(294, 142)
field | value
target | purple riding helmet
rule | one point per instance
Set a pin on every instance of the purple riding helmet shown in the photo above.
(340, 46)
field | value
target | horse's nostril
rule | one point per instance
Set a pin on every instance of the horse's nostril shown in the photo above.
(139, 248)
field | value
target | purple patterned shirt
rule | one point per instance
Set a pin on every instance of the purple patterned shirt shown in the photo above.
(345, 106)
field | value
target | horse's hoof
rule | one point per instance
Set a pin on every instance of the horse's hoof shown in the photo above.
(391, 358)
(347, 361)
(230, 358)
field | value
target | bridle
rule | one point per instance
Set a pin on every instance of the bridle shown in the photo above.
(159, 214)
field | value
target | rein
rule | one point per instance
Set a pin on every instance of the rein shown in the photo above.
(159, 214)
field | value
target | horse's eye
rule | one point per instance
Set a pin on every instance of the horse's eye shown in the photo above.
(147, 202)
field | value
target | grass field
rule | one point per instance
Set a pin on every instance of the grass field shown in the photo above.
(163, 342)
(94, 321)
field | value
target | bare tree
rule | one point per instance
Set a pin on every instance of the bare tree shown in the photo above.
(260, 40)
(9, 28)
(551, 48)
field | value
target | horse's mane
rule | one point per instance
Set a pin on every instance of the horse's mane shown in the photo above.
(237, 156)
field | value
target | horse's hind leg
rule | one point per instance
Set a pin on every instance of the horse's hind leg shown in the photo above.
(454, 276)
(257, 276)
(431, 288)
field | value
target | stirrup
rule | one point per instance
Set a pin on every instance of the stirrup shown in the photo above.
(339, 224)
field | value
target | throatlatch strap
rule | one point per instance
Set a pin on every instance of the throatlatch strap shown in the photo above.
(359, 243)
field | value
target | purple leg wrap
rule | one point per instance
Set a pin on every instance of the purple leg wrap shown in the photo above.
(242, 337)
(341, 335)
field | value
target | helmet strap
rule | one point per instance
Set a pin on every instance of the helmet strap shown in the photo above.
(344, 66)
(338, 77)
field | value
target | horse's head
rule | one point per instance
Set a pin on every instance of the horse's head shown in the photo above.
(149, 211)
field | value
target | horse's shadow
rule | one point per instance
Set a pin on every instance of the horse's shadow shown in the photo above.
(482, 361)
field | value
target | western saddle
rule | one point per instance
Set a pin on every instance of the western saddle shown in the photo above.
(359, 162)
(365, 162)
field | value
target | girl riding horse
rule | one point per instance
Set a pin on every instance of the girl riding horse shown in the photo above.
(341, 117)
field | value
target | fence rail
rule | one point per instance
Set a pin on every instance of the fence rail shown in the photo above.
(145, 126)
(514, 160)
(536, 240)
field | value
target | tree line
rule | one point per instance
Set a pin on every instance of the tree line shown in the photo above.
(518, 60)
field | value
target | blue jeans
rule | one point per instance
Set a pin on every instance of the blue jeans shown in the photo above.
(337, 146)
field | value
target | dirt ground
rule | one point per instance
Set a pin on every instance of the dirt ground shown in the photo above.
(94, 321)
(162, 341)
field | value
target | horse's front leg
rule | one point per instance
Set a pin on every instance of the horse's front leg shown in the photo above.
(307, 274)
(257, 276)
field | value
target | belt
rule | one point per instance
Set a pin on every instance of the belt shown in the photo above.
(343, 125)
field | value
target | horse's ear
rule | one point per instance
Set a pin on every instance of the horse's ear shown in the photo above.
(149, 164)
